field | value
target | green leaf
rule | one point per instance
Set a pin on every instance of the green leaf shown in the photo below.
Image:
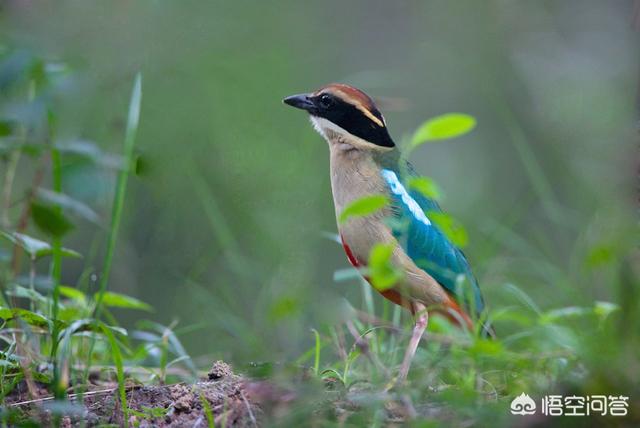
(383, 274)
(72, 293)
(555, 315)
(155, 412)
(5, 363)
(117, 361)
(603, 309)
(26, 293)
(443, 127)
(118, 300)
(25, 315)
(9, 144)
(35, 247)
(363, 207)
(284, 307)
(426, 186)
(176, 346)
(89, 324)
(600, 255)
(89, 150)
(483, 347)
(51, 198)
(50, 219)
(348, 274)
(512, 315)
(41, 377)
(6, 127)
(523, 297)
(316, 361)
(453, 229)
(66, 252)
(600, 309)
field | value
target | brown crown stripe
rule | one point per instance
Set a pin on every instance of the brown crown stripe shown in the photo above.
(355, 97)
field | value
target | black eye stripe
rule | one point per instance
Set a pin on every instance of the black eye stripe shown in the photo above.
(351, 119)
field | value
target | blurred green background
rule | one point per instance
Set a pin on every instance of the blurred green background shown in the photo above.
(223, 226)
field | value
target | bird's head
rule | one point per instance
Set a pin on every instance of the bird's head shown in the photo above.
(346, 115)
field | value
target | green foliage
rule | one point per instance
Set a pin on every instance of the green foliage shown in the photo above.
(50, 220)
(443, 127)
(426, 186)
(52, 199)
(35, 247)
(117, 300)
(29, 317)
(149, 413)
(316, 360)
(55, 326)
(383, 273)
(363, 207)
(453, 229)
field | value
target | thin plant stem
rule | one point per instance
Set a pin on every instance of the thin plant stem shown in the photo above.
(9, 177)
(121, 187)
(118, 204)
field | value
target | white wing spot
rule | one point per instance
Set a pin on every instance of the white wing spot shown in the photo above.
(398, 189)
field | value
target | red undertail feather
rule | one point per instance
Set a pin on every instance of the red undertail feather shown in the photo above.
(352, 259)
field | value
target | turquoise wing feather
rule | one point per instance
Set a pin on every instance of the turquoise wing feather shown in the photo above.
(428, 246)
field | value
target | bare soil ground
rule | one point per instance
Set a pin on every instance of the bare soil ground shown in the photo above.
(223, 395)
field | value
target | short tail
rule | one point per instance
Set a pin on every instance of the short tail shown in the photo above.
(456, 314)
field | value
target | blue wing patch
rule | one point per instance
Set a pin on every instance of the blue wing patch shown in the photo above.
(427, 246)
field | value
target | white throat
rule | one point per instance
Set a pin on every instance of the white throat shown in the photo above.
(341, 138)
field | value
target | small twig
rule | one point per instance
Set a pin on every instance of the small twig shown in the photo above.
(434, 337)
(70, 397)
(253, 418)
(360, 341)
(96, 368)
(222, 416)
(23, 349)
(408, 406)
(363, 344)
(342, 352)
(23, 222)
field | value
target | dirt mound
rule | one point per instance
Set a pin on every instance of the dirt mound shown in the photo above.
(221, 400)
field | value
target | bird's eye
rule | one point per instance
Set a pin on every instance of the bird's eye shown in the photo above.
(326, 101)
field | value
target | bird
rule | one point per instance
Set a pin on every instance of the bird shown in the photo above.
(365, 161)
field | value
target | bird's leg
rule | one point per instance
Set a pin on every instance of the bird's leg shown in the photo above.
(422, 318)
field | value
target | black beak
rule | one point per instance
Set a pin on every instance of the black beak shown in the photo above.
(301, 101)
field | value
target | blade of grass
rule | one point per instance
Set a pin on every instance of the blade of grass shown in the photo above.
(220, 227)
(207, 411)
(121, 187)
(117, 361)
(118, 203)
(316, 361)
(56, 261)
